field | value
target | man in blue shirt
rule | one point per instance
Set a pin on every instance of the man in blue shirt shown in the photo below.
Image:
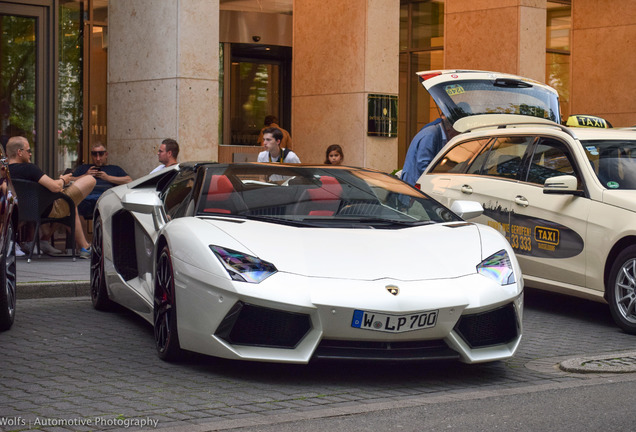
(423, 148)
(106, 175)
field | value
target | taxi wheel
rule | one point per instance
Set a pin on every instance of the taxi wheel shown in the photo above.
(621, 290)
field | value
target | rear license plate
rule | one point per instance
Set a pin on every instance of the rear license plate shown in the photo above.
(393, 323)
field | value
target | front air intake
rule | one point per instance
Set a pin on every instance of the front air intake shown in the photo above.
(494, 327)
(247, 324)
(385, 351)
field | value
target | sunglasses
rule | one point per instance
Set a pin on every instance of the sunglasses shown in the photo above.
(29, 151)
(98, 153)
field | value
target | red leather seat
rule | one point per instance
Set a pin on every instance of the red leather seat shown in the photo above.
(325, 200)
(218, 199)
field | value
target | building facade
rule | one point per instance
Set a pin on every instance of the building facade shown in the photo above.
(130, 73)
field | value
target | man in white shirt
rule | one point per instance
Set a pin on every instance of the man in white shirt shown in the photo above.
(167, 154)
(272, 137)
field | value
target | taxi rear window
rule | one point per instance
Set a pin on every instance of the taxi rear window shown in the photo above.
(471, 97)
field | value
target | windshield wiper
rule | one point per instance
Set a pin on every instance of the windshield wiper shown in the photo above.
(511, 83)
(375, 220)
(274, 219)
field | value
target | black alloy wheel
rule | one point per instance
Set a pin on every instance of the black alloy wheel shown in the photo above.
(99, 294)
(165, 309)
(8, 280)
(621, 290)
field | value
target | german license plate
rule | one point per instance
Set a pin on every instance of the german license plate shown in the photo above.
(393, 323)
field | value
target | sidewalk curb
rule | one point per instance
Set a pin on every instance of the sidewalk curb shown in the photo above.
(36, 290)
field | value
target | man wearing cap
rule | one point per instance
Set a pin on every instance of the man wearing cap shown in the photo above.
(106, 176)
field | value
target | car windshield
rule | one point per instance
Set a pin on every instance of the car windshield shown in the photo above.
(315, 195)
(462, 98)
(614, 162)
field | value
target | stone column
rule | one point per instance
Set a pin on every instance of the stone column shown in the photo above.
(163, 79)
(496, 35)
(603, 60)
(343, 51)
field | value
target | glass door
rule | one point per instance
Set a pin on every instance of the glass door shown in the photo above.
(17, 77)
(70, 86)
(257, 82)
(26, 103)
(255, 91)
(82, 75)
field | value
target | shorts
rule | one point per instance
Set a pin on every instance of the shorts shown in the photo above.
(60, 207)
(87, 207)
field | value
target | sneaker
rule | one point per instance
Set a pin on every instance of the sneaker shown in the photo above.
(46, 247)
(85, 253)
(19, 252)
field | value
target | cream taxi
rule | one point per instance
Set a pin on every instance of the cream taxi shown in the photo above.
(565, 198)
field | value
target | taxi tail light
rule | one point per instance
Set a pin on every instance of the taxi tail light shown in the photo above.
(424, 77)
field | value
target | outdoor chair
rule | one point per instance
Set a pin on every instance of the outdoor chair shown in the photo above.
(34, 201)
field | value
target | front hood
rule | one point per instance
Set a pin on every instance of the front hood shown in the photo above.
(625, 199)
(424, 252)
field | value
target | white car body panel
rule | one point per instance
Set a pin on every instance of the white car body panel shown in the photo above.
(323, 273)
(495, 120)
(366, 256)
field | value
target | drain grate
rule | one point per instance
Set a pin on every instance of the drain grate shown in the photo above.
(609, 363)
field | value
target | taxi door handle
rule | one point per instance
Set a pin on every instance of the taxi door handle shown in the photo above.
(467, 189)
(522, 201)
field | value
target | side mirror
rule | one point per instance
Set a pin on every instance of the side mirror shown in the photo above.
(562, 185)
(146, 203)
(467, 209)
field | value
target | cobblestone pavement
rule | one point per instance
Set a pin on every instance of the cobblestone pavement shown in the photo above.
(65, 366)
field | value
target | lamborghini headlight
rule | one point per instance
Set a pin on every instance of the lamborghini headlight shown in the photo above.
(498, 268)
(242, 267)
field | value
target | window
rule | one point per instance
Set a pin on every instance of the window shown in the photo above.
(504, 159)
(459, 157)
(82, 69)
(614, 162)
(178, 196)
(26, 77)
(550, 158)
(558, 26)
(421, 48)
(70, 84)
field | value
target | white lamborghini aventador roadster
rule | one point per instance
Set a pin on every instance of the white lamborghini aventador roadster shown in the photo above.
(290, 263)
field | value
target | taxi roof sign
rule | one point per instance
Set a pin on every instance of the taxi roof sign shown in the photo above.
(588, 121)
